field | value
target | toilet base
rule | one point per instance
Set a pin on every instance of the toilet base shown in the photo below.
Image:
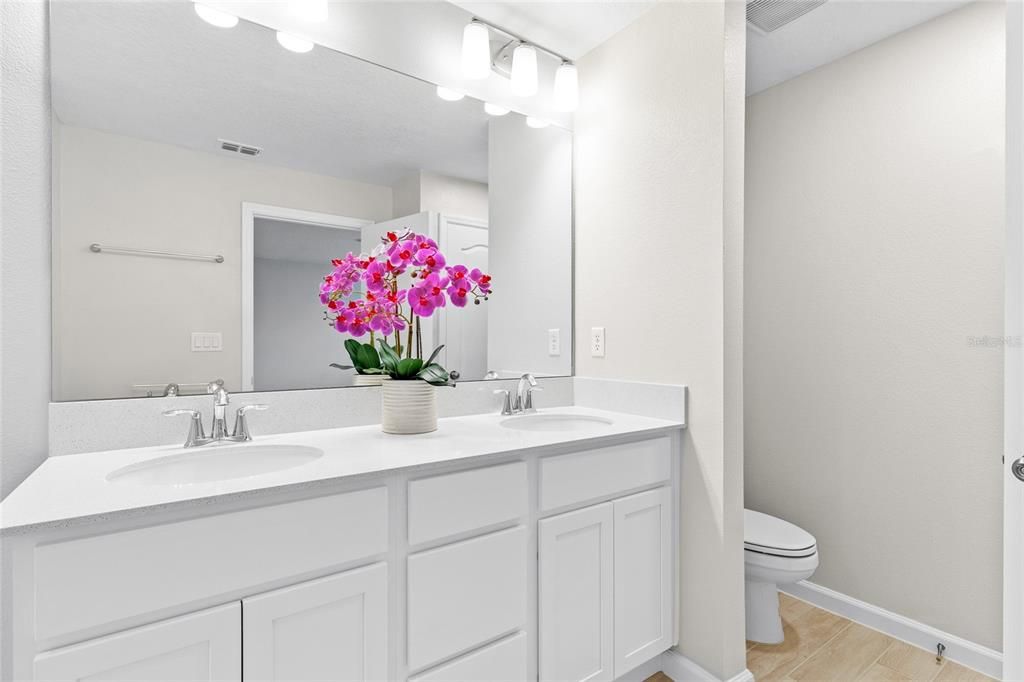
(764, 624)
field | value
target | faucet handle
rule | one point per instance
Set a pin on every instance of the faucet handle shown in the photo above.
(528, 403)
(195, 428)
(241, 430)
(506, 408)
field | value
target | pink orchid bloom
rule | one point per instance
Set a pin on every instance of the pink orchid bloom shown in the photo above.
(401, 254)
(430, 258)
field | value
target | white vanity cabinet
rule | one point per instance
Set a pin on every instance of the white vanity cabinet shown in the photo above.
(606, 571)
(552, 565)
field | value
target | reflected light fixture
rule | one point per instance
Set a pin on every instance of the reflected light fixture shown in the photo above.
(566, 96)
(293, 42)
(495, 109)
(215, 16)
(524, 71)
(535, 122)
(476, 51)
(311, 10)
(449, 95)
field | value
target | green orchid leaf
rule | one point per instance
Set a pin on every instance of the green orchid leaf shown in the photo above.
(352, 348)
(409, 368)
(388, 357)
(434, 374)
(434, 355)
(373, 370)
(337, 366)
(367, 357)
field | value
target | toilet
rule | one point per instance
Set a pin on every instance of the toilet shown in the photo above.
(776, 552)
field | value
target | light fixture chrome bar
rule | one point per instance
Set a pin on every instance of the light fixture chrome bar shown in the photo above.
(518, 38)
(124, 250)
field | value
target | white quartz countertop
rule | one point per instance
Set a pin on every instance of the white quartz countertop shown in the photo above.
(75, 487)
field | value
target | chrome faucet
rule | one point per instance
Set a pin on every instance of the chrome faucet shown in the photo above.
(523, 401)
(218, 432)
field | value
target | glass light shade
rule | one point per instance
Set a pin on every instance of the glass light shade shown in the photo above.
(495, 109)
(476, 51)
(294, 43)
(449, 95)
(215, 16)
(311, 10)
(534, 122)
(567, 88)
(524, 71)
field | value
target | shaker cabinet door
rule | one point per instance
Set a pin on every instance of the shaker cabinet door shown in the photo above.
(334, 628)
(643, 577)
(575, 593)
(201, 647)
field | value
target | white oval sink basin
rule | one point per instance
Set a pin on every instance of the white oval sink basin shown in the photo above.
(555, 422)
(215, 463)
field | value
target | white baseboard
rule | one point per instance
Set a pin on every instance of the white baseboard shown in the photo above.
(968, 654)
(682, 669)
(679, 668)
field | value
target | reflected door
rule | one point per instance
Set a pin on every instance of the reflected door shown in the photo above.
(464, 332)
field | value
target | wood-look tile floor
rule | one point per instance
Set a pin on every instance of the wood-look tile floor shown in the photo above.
(823, 647)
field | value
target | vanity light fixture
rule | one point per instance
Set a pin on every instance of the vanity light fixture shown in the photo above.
(311, 10)
(515, 58)
(476, 51)
(535, 122)
(566, 96)
(293, 42)
(524, 70)
(449, 95)
(215, 16)
(495, 109)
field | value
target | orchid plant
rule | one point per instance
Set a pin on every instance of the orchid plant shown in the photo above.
(386, 293)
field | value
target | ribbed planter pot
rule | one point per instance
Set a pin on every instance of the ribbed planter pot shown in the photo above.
(367, 379)
(408, 407)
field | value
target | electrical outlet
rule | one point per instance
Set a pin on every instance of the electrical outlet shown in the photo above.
(207, 342)
(597, 342)
(554, 342)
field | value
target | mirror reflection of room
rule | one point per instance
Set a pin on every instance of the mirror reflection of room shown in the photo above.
(191, 234)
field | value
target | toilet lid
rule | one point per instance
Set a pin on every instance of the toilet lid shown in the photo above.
(770, 535)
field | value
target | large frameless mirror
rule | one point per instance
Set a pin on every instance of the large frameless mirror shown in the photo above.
(209, 186)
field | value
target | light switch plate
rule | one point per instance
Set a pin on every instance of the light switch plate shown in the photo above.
(554, 342)
(597, 342)
(207, 342)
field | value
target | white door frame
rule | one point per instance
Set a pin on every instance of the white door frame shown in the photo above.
(1013, 402)
(250, 212)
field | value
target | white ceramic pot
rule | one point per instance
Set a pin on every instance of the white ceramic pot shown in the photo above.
(367, 379)
(408, 406)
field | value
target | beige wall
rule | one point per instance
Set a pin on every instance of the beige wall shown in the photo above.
(123, 320)
(426, 191)
(659, 265)
(874, 221)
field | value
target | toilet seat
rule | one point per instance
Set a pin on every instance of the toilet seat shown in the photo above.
(771, 536)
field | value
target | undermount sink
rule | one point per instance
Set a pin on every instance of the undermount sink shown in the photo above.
(555, 422)
(216, 463)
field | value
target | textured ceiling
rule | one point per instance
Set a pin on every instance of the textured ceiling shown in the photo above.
(832, 31)
(154, 70)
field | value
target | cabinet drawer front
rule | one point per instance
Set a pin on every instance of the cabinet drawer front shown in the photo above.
(446, 505)
(464, 594)
(98, 580)
(200, 647)
(503, 661)
(582, 476)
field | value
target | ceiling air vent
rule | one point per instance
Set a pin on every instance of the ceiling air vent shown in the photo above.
(770, 15)
(239, 148)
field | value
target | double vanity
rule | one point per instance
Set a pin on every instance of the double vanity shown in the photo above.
(537, 546)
